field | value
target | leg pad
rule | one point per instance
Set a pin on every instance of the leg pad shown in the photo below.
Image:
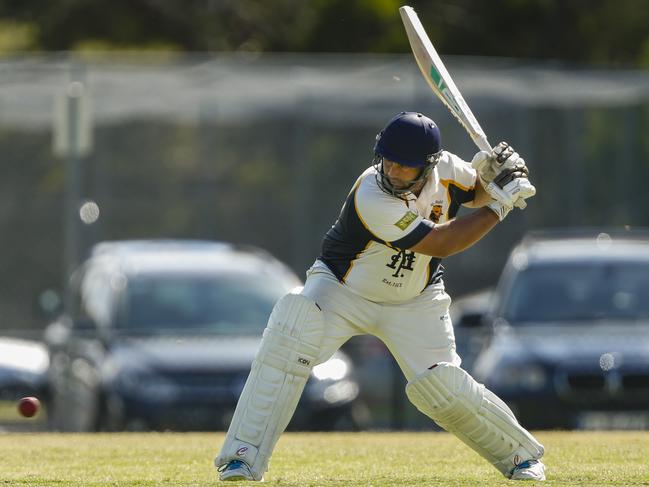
(289, 348)
(454, 400)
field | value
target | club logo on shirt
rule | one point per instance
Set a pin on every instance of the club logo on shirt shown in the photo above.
(406, 220)
(401, 262)
(435, 213)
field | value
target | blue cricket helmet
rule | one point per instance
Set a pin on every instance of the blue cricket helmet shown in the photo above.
(410, 139)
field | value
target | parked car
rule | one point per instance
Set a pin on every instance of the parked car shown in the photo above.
(162, 334)
(467, 315)
(570, 322)
(23, 369)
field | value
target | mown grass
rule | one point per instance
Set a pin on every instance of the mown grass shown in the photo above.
(587, 459)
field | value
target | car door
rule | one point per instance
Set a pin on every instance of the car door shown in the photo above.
(78, 349)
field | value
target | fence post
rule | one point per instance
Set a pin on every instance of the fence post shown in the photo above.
(72, 141)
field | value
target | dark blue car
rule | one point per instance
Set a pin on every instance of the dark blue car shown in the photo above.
(162, 335)
(570, 342)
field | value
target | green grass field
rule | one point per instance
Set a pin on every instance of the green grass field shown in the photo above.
(304, 459)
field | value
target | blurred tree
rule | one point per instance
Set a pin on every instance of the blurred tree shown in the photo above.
(607, 32)
(612, 32)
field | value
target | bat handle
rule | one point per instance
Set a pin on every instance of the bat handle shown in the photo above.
(480, 140)
(521, 204)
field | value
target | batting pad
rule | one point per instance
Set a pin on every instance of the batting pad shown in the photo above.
(289, 349)
(454, 400)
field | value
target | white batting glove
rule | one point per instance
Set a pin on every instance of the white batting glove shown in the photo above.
(485, 165)
(501, 210)
(504, 157)
(501, 167)
(513, 193)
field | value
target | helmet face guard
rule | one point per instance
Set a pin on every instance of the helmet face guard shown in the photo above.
(409, 139)
(384, 182)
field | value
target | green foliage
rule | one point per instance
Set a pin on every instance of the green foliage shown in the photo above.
(606, 32)
(16, 36)
(588, 459)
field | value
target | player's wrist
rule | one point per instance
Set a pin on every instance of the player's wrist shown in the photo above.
(499, 209)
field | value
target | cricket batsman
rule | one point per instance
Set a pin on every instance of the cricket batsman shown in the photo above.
(380, 273)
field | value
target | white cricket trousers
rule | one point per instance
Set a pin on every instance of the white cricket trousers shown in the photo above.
(418, 332)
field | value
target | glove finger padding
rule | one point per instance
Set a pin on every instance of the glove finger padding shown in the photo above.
(506, 157)
(503, 151)
(519, 170)
(490, 165)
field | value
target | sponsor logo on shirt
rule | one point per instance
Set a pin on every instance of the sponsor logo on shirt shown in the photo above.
(406, 220)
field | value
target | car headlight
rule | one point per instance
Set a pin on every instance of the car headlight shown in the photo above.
(334, 369)
(332, 385)
(342, 391)
(331, 392)
(526, 376)
(146, 384)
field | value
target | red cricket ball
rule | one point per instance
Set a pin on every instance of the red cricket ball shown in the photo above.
(28, 406)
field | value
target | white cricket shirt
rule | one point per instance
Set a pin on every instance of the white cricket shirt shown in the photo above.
(367, 247)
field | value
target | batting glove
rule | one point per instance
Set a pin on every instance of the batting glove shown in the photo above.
(501, 210)
(489, 165)
(513, 193)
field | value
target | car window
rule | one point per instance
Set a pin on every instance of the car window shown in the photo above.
(224, 303)
(579, 292)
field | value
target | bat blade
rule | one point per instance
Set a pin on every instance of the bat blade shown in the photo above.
(438, 78)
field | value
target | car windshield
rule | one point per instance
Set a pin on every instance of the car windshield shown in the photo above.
(226, 303)
(580, 292)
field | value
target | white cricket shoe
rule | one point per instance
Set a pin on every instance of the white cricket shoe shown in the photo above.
(235, 470)
(529, 470)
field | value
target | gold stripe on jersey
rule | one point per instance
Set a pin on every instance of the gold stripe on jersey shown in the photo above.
(447, 183)
(360, 180)
(360, 218)
(427, 281)
(353, 261)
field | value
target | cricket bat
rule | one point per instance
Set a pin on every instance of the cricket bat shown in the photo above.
(440, 81)
(437, 77)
